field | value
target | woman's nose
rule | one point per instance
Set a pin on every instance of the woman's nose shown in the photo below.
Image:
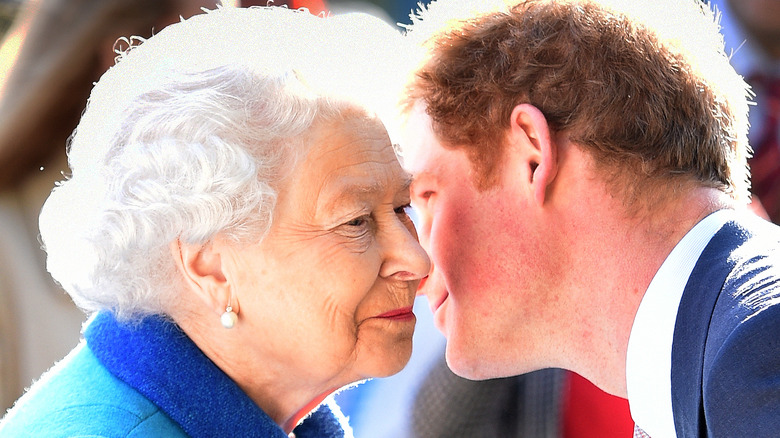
(405, 259)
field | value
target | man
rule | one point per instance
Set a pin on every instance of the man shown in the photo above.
(580, 176)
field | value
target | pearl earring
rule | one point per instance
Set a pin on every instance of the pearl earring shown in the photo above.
(229, 318)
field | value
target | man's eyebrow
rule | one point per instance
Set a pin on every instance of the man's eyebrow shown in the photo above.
(421, 175)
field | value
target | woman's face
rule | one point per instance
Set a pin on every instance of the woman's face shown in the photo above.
(328, 294)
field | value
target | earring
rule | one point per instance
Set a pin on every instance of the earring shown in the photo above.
(229, 318)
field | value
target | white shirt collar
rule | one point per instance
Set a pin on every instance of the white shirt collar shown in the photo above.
(649, 356)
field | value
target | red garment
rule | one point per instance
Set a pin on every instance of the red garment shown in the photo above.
(589, 412)
(314, 6)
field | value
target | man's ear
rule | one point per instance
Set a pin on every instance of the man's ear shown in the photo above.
(203, 273)
(530, 132)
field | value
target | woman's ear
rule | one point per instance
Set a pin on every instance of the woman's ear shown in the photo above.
(203, 273)
(529, 132)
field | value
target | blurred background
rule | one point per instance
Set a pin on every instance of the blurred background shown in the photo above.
(8, 10)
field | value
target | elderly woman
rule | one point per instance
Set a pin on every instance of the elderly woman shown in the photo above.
(236, 223)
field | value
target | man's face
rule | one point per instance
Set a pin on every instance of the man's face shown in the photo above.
(483, 288)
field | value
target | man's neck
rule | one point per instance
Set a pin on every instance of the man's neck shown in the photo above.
(619, 260)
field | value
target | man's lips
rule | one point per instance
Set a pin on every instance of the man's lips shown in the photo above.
(433, 302)
(421, 284)
(398, 314)
(436, 304)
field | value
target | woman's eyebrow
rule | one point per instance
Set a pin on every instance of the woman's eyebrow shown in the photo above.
(406, 183)
(349, 189)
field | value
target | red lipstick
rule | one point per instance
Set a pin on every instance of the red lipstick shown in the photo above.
(401, 314)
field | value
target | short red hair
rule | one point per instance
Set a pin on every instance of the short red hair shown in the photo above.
(642, 106)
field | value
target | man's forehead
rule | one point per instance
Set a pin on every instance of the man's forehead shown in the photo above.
(419, 140)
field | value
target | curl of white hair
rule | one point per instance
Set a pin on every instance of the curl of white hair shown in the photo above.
(192, 133)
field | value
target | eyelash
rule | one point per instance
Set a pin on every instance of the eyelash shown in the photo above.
(404, 209)
(360, 221)
(363, 220)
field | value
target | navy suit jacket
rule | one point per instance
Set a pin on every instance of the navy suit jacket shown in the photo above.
(726, 348)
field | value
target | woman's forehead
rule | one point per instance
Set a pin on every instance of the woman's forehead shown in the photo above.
(349, 140)
(350, 159)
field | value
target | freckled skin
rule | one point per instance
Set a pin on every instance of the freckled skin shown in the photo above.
(334, 259)
(486, 288)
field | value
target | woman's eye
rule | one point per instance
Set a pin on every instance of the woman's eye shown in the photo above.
(404, 209)
(406, 213)
(358, 222)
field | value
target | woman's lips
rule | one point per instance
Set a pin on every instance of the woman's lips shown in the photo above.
(401, 314)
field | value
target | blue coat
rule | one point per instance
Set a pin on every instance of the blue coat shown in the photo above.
(145, 380)
(726, 348)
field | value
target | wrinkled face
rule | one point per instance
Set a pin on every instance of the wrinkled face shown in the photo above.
(481, 288)
(329, 291)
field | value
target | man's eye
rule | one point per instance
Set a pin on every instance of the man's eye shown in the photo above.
(422, 194)
(426, 194)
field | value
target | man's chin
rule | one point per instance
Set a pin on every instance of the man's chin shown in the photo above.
(467, 364)
(474, 363)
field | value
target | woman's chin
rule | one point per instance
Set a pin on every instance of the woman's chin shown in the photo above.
(391, 362)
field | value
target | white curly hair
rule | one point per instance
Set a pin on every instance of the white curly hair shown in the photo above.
(190, 136)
